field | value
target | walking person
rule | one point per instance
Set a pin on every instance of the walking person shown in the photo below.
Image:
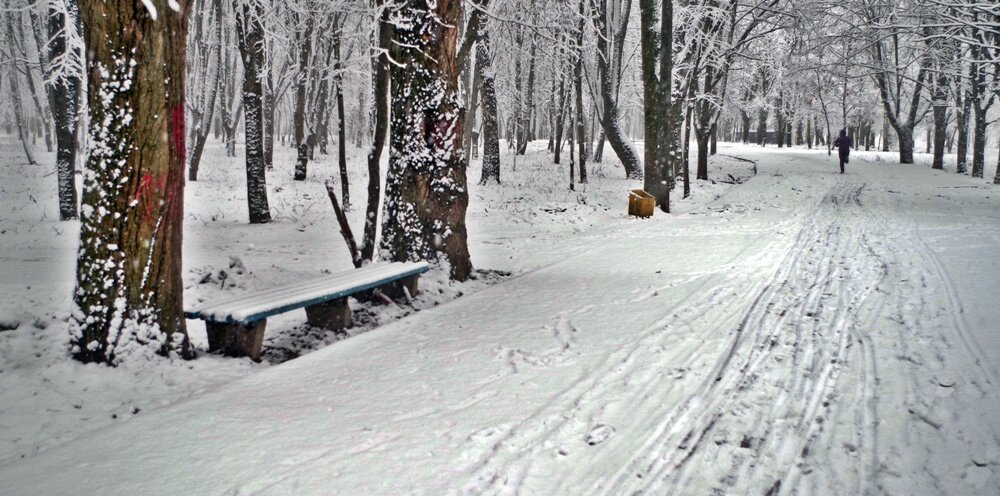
(844, 143)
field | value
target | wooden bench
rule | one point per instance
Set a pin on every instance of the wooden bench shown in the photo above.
(235, 324)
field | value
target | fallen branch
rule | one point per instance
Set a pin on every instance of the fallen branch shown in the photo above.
(345, 227)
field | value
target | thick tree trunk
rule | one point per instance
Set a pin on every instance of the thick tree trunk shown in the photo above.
(250, 32)
(64, 99)
(661, 114)
(129, 279)
(426, 187)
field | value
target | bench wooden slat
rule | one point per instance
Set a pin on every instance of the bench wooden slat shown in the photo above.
(235, 302)
(254, 306)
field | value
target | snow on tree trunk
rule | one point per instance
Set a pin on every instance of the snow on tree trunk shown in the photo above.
(212, 80)
(940, 129)
(129, 286)
(561, 111)
(491, 128)
(979, 142)
(426, 191)
(620, 143)
(338, 81)
(250, 33)
(379, 122)
(962, 145)
(301, 146)
(905, 134)
(63, 100)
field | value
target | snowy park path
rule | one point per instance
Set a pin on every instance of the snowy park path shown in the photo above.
(801, 335)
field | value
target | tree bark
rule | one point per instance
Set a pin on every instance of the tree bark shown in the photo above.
(940, 124)
(426, 189)
(581, 126)
(762, 127)
(41, 125)
(979, 140)
(661, 114)
(963, 109)
(561, 113)
(250, 33)
(299, 118)
(64, 97)
(204, 119)
(620, 143)
(129, 280)
(379, 122)
(15, 92)
(527, 106)
(338, 81)
(491, 128)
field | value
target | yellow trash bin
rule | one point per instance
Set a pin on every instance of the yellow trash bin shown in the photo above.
(640, 203)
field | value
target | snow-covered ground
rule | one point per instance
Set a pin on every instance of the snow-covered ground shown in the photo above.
(805, 332)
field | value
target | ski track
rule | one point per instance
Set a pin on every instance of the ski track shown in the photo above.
(792, 403)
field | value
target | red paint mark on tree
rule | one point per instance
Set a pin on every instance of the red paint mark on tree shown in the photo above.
(144, 183)
(177, 130)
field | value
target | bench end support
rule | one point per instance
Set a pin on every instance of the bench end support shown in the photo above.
(333, 315)
(236, 338)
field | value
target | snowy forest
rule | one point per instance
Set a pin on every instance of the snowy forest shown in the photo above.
(543, 246)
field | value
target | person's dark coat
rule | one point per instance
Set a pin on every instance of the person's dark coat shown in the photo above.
(844, 143)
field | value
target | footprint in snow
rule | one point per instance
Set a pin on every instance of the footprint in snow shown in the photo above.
(599, 434)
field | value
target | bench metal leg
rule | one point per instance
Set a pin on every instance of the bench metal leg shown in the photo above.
(333, 315)
(236, 339)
